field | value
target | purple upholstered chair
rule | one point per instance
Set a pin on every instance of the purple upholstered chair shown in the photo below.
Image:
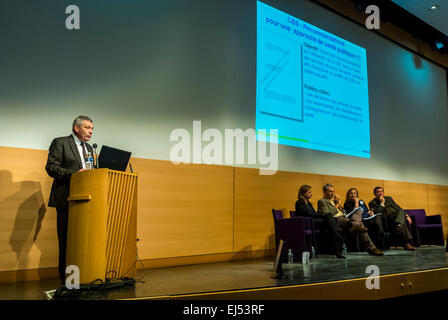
(292, 231)
(310, 231)
(426, 229)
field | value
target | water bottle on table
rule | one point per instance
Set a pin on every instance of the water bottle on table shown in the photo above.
(305, 257)
(89, 161)
(290, 257)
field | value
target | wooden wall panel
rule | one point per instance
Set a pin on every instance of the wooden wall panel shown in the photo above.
(438, 204)
(183, 210)
(27, 225)
(255, 197)
(407, 195)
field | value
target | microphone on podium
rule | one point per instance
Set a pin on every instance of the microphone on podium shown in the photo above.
(96, 155)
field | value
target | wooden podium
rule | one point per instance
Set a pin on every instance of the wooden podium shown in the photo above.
(102, 227)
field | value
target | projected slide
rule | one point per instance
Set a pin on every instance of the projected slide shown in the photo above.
(311, 86)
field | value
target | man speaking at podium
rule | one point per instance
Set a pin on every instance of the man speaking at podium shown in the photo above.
(67, 156)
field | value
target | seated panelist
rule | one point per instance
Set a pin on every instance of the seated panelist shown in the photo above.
(372, 222)
(395, 215)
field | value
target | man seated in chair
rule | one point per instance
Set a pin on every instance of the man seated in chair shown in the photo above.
(330, 204)
(395, 216)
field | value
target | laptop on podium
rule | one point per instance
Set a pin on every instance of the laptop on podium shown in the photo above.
(114, 159)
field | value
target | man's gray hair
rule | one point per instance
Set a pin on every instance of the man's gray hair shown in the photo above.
(326, 186)
(79, 120)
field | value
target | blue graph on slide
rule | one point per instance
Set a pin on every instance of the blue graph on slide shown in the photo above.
(281, 76)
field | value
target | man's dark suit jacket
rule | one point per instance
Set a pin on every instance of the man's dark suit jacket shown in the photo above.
(389, 209)
(63, 160)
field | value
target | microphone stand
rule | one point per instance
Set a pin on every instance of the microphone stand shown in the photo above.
(96, 166)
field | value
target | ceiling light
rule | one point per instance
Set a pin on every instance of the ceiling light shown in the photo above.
(439, 45)
(434, 7)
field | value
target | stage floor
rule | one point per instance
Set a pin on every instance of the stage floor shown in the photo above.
(173, 282)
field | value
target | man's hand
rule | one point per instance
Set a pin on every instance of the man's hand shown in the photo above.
(382, 201)
(370, 213)
(336, 200)
(81, 170)
(409, 219)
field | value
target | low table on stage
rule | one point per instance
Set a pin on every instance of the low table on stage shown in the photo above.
(102, 227)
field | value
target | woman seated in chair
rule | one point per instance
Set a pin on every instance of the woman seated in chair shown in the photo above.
(304, 208)
(373, 223)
